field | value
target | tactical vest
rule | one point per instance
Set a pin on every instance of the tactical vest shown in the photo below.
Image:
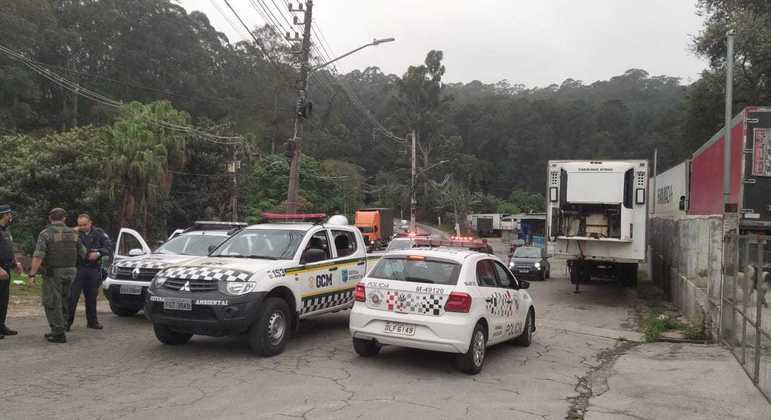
(62, 247)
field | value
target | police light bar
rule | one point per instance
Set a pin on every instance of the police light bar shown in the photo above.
(454, 242)
(293, 217)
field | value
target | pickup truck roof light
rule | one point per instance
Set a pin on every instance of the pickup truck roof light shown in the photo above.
(315, 218)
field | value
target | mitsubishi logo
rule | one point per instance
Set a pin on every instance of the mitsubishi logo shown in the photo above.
(185, 287)
(135, 273)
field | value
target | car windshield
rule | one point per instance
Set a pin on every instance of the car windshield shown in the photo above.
(527, 252)
(398, 245)
(416, 271)
(197, 245)
(272, 244)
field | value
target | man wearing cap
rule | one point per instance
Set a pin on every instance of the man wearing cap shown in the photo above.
(98, 246)
(7, 262)
(57, 251)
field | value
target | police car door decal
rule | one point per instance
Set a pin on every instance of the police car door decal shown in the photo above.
(320, 291)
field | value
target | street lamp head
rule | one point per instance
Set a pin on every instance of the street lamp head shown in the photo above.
(382, 41)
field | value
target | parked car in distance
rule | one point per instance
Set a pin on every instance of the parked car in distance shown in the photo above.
(530, 262)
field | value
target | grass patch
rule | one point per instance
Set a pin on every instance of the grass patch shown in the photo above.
(658, 320)
(25, 288)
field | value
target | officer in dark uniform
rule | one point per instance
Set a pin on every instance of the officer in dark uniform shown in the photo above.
(98, 246)
(7, 262)
(57, 250)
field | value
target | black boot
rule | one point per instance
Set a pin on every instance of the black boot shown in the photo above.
(94, 325)
(7, 331)
(56, 338)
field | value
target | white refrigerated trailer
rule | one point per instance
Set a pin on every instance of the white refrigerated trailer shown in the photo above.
(597, 217)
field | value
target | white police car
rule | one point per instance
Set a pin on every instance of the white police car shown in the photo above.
(443, 299)
(135, 264)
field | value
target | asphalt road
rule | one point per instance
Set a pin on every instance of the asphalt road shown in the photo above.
(124, 372)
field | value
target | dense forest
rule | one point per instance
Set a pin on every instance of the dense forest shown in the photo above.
(132, 110)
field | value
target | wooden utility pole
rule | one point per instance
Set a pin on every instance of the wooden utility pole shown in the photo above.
(233, 167)
(301, 110)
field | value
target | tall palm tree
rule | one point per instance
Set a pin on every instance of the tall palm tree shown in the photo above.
(145, 155)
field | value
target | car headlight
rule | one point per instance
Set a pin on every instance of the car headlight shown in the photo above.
(537, 266)
(238, 288)
(158, 281)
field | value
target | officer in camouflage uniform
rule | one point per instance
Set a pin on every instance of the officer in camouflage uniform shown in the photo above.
(7, 262)
(57, 250)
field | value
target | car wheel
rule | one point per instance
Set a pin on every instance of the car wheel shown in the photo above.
(366, 348)
(548, 273)
(526, 338)
(123, 312)
(543, 275)
(473, 360)
(168, 336)
(268, 335)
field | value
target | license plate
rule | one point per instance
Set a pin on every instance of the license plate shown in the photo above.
(398, 328)
(126, 289)
(524, 270)
(178, 304)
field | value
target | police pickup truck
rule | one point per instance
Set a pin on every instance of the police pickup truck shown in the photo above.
(261, 282)
(135, 265)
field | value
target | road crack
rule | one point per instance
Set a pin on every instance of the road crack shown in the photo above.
(595, 382)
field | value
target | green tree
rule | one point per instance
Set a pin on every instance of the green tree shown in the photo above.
(145, 153)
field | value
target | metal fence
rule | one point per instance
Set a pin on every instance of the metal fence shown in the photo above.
(746, 317)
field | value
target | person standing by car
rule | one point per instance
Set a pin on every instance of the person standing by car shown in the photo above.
(7, 262)
(57, 251)
(98, 246)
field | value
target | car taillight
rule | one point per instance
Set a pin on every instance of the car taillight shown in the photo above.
(458, 302)
(358, 293)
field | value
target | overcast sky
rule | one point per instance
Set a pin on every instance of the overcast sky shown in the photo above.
(531, 42)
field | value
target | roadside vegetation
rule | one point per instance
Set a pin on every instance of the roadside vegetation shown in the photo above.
(129, 164)
(657, 320)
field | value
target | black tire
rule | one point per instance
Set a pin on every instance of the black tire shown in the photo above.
(269, 334)
(526, 338)
(473, 360)
(122, 311)
(366, 348)
(573, 271)
(543, 276)
(168, 336)
(629, 275)
(548, 273)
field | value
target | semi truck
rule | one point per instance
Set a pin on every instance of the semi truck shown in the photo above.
(597, 217)
(486, 224)
(377, 226)
(695, 186)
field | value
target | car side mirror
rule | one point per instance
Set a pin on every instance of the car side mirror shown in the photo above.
(523, 284)
(211, 248)
(136, 252)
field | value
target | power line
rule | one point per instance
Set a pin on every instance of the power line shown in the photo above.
(104, 100)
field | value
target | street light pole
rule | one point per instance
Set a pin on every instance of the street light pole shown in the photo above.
(413, 202)
(293, 190)
(415, 175)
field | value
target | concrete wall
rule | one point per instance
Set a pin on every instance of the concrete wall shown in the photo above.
(686, 256)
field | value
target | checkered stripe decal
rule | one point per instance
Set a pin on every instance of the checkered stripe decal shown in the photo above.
(414, 303)
(501, 304)
(329, 300)
(205, 273)
(143, 264)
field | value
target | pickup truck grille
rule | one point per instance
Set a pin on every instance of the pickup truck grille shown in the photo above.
(145, 274)
(193, 285)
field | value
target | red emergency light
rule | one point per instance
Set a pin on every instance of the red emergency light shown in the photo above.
(293, 217)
